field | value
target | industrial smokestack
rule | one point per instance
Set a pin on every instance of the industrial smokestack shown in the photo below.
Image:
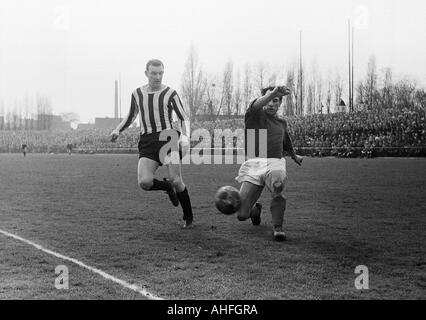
(116, 100)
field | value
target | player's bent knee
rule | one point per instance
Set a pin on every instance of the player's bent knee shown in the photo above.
(145, 183)
(176, 182)
(278, 188)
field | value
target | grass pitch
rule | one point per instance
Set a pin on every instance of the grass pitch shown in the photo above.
(341, 213)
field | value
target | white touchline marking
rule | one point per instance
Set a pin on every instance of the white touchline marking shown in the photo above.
(81, 264)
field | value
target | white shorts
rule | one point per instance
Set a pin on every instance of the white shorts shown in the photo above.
(263, 172)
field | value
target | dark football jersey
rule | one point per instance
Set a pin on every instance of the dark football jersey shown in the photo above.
(260, 126)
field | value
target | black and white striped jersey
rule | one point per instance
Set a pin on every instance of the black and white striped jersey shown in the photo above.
(157, 110)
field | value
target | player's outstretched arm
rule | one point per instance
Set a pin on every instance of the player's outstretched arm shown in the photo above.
(127, 121)
(279, 91)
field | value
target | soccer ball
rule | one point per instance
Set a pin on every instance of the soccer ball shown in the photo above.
(228, 200)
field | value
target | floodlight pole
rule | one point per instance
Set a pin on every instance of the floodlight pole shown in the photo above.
(301, 76)
(350, 76)
(352, 69)
(119, 79)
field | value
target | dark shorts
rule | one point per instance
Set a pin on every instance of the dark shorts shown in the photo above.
(149, 146)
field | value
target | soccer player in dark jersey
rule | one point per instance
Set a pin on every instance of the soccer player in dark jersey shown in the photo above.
(157, 105)
(24, 149)
(266, 167)
(69, 148)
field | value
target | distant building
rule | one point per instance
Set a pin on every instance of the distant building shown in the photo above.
(341, 107)
(30, 124)
(51, 122)
(58, 124)
(43, 122)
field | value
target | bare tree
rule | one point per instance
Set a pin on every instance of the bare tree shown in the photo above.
(420, 99)
(193, 83)
(360, 97)
(247, 86)
(370, 86)
(211, 101)
(405, 90)
(386, 96)
(328, 96)
(272, 79)
(9, 120)
(227, 88)
(301, 92)
(262, 71)
(319, 92)
(44, 112)
(237, 94)
(17, 114)
(310, 99)
(315, 86)
(290, 100)
(26, 113)
(338, 89)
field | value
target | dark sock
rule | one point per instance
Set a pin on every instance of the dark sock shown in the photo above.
(185, 202)
(160, 185)
(278, 205)
(254, 211)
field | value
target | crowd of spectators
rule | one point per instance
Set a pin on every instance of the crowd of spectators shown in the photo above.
(359, 134)
(385, 133)
(57, 141)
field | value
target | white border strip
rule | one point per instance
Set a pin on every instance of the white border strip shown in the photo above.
(81, 264)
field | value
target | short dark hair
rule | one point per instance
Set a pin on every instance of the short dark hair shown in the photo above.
(264, 90)
(154, 62)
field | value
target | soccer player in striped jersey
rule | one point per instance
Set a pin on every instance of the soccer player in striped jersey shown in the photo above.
(159, 106)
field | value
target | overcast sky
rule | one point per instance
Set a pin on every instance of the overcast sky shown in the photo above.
(72, 51)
